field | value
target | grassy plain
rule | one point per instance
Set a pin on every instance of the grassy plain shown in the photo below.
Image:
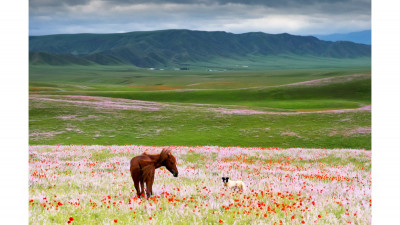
(194, 104)
(177, 124)
(274, 71)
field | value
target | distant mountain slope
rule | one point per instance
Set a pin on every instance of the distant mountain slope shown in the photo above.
(38, 58)
(173, 47)
(363, 37)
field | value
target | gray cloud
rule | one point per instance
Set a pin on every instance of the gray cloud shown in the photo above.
(293, 16)
(333, 4)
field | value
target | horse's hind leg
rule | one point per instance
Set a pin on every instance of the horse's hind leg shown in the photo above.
(136, 177)
(142, 187)
(136, 182)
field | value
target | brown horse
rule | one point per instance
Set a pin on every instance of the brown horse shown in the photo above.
(144, 166)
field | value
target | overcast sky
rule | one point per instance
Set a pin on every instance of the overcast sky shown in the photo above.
(301, 17)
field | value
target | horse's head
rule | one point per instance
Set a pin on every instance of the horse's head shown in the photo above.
(169, 161)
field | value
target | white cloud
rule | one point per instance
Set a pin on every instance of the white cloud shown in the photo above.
(108, 17)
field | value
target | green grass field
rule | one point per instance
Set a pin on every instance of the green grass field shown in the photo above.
(178, 125)
(199, 107)
(226, 74)
(349, 94)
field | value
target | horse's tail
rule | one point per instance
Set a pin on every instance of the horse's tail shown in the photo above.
(147, 167)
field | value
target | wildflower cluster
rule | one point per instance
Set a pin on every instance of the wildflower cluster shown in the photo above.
(92, 185)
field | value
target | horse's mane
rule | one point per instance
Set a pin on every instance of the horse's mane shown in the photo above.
(162, 156)
(147, 165)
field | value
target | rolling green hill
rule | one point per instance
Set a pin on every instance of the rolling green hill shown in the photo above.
(56, 59)
(169, 48)
(346, 94)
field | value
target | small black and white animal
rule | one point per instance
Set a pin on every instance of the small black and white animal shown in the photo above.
(233, 185)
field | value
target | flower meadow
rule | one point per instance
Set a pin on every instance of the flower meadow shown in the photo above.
(92, 185)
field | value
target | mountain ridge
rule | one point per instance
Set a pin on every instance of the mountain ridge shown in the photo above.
(173, 47)
(362, 37)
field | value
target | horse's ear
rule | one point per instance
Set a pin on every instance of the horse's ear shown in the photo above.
(164, 154)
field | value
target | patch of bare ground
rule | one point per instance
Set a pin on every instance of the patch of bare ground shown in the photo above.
(289, 133)
(363, 108)
(252, 131)
(74, 130)
(46, 134)
(238, 111)
(41, 135)
(353, 132)
(331, 80)
(36, 135)
(138, 105)
(101, 102)
(75, 117)
(251, 112)
(359, 130)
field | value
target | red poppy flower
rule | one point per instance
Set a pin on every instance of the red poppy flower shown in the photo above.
(220, 221)
(115, 221)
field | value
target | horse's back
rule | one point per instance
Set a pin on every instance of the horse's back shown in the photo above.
(135, 161)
